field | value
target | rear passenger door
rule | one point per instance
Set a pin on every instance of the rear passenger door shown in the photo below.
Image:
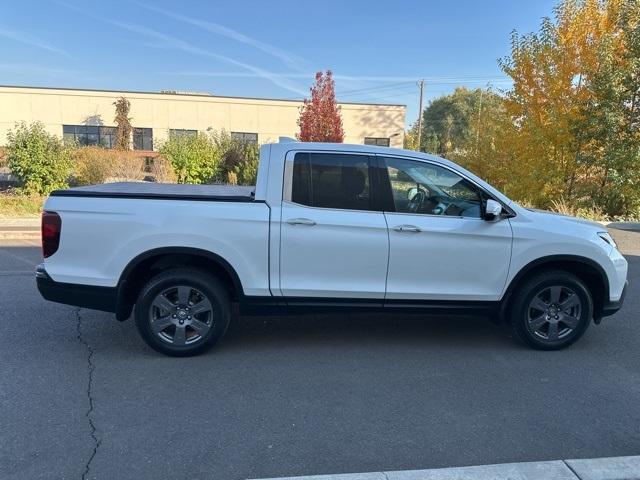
(334, 242)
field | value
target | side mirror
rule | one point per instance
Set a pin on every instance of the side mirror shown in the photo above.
(492, 210)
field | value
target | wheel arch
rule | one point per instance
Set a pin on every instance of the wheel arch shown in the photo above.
(144, 266)
(586, 269)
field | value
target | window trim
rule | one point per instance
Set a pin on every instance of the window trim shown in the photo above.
(388, 200)
(287, 184)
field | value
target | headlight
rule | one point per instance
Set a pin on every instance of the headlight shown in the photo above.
(608, 238)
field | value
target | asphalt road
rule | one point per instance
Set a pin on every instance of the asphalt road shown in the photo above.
(80, 393)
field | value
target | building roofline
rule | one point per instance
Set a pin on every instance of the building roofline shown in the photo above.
(202, 95)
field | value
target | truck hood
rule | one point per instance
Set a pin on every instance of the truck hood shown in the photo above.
(559, 217)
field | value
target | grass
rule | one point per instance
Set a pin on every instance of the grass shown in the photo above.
(13, 206)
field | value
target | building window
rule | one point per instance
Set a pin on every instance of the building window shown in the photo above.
(245, 136)
(142, 138)
(181, 132)
(89, 135)
(377, 141)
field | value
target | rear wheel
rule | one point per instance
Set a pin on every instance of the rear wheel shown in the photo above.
(182, 312)
(551, 310)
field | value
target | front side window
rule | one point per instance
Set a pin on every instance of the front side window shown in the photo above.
(428, 189)
(142, 139)
(331, 180)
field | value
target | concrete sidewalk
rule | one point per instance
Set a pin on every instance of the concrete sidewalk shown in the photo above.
(27, 228)
(613, 468)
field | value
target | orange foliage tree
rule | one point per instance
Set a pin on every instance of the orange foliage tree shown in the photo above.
(552, 73)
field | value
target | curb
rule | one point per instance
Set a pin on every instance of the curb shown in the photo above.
(611, 468)
(19, 235)
(26, 228)
(25, 222)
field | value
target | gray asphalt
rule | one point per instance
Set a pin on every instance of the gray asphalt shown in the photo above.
(81, 394)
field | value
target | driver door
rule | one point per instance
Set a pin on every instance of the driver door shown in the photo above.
(440, 247)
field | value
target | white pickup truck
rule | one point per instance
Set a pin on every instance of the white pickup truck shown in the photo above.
(328, 226)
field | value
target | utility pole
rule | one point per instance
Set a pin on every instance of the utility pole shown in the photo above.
(479, 119)
(421, 84)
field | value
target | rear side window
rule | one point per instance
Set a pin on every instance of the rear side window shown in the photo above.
(331, 180)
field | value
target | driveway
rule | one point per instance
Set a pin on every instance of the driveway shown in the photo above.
(81, 394)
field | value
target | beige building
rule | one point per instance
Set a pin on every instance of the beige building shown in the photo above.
(87, 116)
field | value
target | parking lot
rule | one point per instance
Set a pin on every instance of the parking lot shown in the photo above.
(81, 394)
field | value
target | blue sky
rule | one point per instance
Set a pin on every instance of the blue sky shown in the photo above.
(377, 50)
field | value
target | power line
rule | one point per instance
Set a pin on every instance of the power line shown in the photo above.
(373, 89)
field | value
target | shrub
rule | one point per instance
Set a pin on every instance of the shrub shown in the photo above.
(162, 171)
(239, 159)
(13, 205)
(195, 159)
(93, 165)
(39, 160)
(128, 168)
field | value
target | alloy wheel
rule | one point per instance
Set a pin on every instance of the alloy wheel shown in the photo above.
(554, 313)
(181, 315)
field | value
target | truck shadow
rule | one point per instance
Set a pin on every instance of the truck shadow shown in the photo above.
(362, 328)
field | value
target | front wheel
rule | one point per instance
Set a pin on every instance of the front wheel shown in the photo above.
(551, 310)
(182, 312)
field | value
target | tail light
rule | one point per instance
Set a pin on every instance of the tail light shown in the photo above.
(51, 227)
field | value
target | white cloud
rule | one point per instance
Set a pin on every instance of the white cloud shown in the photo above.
(289, 59)
(37, 69)
(162, 40)
(167, 41)
(31, 41)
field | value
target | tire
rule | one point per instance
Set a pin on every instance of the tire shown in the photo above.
(182, 312)
(551, 310)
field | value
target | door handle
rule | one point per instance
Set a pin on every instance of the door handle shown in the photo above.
(301, 221)
(407, 228)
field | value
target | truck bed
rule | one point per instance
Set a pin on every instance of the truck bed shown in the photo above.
(163, 191)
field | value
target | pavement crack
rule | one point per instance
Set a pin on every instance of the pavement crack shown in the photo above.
(571, 468)
(90, 368)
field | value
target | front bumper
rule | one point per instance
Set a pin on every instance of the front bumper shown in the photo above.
(609, 308)
(85, 296)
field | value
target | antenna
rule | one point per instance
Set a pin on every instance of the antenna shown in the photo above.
(286, 140)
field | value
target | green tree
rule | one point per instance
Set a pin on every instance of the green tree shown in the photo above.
(552, 71)
(472, 128)
(239, 159)
(123, 124)
(410, 141)
(610, 130)
(195, 159)
(40, 160)
(451, 123)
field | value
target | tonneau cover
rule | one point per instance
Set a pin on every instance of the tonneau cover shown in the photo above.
(150, 190)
